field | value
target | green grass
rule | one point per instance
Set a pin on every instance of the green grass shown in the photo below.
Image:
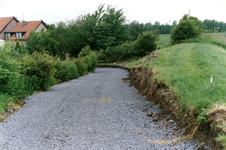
(217, 39)
(136, 62)
(187, 68)
(164, 39)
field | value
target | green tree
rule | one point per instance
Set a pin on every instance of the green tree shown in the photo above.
(174, 23)
(63, 36)
(188, 27)
(146, 42)
(42, 41)
(149, 26)
(17, 47)
(103, 28)
(51, 26)
(135, 29)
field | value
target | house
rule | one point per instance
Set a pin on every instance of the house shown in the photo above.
(20, 30)
(6, 25)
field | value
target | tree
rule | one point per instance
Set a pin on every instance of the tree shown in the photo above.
(174, 23)
(148, 26)
(42, 41)
(17, 47)
(146, 42)
(103, 28)
(51, 26)
(135, 29)
(188, 27)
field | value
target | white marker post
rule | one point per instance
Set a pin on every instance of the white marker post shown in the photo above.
(211, 80)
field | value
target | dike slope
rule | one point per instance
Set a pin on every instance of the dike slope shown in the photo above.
(142, 79)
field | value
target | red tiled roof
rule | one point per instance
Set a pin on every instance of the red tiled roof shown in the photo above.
(4, 21)
(21, 28)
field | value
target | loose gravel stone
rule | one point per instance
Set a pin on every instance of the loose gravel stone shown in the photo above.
(96, 111)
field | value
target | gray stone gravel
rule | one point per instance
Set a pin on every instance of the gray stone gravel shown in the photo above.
(97, 111)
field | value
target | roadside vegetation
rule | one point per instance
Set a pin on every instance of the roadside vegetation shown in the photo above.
(24, 74)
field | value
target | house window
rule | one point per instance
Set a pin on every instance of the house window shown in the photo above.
(18, 35)
(7, 35)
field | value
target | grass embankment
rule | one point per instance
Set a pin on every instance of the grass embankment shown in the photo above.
(187, 68)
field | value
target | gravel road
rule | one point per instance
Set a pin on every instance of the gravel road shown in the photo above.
(97, 111)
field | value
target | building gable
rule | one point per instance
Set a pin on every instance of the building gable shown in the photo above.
(22, 29)
(6, 24)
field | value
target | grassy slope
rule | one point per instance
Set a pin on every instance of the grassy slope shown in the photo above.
(187, 69)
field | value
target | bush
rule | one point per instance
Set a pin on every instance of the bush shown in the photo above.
(119, 53)
(84, 52)
(82, 67)
(188, 27)
(146, 42)
(10, 78)
(102, 57)
(40, 66)
(89, 57)
(66, 70)
(91, 61)
(17, 47)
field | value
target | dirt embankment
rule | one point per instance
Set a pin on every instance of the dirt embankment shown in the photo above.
(141, 78)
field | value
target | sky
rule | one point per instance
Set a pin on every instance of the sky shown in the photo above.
(143, 11)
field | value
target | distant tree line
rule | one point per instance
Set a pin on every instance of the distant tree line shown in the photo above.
(210, 25)
(135, 28)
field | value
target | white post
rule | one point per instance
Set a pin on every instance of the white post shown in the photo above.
(211, 80)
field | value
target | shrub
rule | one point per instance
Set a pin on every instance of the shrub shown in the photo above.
(66, 70)
(91, 61)
(146, 42)
(40, 65)
(82, 67)
(3, 101)
(17, 47)
(102, 57)
(188, 27)
(84, 52)
(89, 57)
(10, 78)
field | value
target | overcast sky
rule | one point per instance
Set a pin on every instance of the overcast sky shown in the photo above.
(143, 11)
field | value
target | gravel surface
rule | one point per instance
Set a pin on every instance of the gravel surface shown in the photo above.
(97, 111)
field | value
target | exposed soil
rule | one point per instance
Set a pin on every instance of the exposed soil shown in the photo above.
(158, 92)
(4, 116)
(9, 111)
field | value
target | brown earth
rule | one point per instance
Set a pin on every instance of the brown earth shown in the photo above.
(158, 92)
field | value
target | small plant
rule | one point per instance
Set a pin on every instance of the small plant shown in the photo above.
(202, 116)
